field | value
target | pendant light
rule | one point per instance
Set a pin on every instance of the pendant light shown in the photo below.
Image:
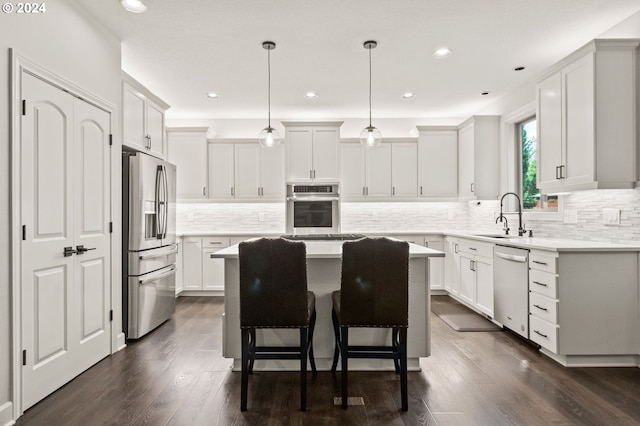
(370, 136)
(269, 137)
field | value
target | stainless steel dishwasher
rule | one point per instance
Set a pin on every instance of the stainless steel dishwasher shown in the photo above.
(511, 288)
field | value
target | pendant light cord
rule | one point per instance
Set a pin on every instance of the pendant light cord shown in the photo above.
(269, 85)
(369, 86)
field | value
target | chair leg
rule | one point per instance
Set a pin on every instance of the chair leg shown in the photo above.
(252, 349)
(336, 332)
(312, 326)
(394, 345)
(403, 368)
(344, 349)
(303, 368)
(245, 369)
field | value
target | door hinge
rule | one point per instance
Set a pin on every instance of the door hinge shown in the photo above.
(24, 232)
(24, 107)
(110, 227)
(110, 140)
(24, 357)
(111, 315)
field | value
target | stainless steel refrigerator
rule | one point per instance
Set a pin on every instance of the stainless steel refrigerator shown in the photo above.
(149, 242)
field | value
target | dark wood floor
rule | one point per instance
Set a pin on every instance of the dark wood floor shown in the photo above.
(176, 376)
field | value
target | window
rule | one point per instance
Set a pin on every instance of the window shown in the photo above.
(532, 200)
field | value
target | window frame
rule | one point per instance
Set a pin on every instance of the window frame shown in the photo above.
(513, 156)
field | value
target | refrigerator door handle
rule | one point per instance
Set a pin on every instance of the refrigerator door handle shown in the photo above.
(157, 202)
(154, 276)
(166, 202)
(173, 249)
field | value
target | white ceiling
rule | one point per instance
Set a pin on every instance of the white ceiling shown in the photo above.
(182, 49)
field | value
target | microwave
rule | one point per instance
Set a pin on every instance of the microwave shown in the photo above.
(313, 209)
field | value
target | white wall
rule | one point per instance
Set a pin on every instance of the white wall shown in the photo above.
(71, 45)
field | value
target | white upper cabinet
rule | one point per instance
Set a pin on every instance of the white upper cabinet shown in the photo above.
(241, 169)
(312, 151)
(438, 163)
(142, 118)
(587, 118)
(187, 149)
(478, 158)
(221, 171)
(388, 171)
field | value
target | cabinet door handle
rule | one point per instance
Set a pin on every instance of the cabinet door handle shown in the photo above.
(363, 191)
(455, 248)
(541, 308)
(420, 189)
(562, 172)
(539, 283)
(393, 190)
(232, 192)
(204, 189)
(472, 190)
(539, 263)
(543, 335)
(314, 173)
(472, 265)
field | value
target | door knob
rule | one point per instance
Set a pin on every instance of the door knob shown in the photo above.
(68, 251)
(83, 249)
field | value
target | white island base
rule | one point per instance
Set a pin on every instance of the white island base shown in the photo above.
(323, 277)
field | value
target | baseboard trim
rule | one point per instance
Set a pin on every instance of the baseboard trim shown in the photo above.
(594, 360)
(6, 414)
(120, 342)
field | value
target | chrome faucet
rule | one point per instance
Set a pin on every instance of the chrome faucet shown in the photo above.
(521, 230)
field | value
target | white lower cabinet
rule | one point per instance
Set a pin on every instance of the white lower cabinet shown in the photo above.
(436, 265)
(179, 267)
(583, 308)
(202, 273)
(451, 266)
(476, 275)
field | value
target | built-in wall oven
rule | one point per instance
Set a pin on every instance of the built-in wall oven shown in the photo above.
(313, 208)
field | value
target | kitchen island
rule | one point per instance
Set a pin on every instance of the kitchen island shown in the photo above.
(323, 277)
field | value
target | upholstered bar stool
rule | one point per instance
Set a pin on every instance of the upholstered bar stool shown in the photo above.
(273, 294)
(373, 293)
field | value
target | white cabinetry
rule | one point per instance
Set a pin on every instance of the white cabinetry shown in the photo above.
(476, 275)
(213, 269)
(436, 264)
(221, 170)
(201, 273)
(192, 262)
(377, 173)
(438, 163)
(312, 151)
(451, 266)
(587, 117)
(583, 307)
(179, 267)
(142, 118)
(242, 170)
(478, 158)
(188, 151)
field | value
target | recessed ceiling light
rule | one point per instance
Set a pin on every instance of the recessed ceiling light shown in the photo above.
(408, 95)
(311, 95)
(443, 52)
(518, 68)
(212, 95)
(134, 6)
(484, 93)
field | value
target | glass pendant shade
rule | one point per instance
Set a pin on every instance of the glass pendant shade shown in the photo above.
(370, 136)
(269, 137)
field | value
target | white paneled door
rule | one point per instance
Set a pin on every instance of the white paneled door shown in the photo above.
(65, 258)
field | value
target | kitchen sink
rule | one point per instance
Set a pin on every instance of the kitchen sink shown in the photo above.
(500, 236)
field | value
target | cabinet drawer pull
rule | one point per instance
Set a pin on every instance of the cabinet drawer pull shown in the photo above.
(473, 248)
(541, 308)
(539, 263)
(539, 283)
(543, 335)
(215, 242)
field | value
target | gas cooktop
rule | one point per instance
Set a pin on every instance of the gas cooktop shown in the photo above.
(323, 237)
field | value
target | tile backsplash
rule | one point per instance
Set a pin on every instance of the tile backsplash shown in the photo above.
(404, 217)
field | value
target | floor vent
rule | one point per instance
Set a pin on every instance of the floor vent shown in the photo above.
(352, 400)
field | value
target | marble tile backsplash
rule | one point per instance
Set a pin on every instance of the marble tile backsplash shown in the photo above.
(403, 217)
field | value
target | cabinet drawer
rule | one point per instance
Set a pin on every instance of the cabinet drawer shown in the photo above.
(543, 262)
(215, 242)
(543, 307)
(543, 333)
(476, 248)
(543, 283)
(414, 239)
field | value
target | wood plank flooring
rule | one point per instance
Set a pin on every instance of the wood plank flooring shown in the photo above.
(177, 376)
